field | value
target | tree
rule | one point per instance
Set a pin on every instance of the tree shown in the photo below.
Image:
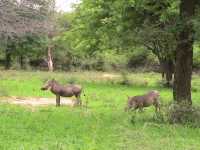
(184, 53)
(8, 52)
(19, 17)
(61, 41)
(162, 43)
(157, 33)
(29, 47)
(121, 27)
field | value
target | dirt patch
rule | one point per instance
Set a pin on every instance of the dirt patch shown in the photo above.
(110, 76)
(30, 101)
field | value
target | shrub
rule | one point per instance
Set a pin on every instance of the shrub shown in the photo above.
(125, 80)
(72, 80)
(184, 114)
(142, 58)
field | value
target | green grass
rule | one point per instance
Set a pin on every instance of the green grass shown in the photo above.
(103, 126)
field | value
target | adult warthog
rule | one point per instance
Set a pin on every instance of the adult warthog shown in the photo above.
(139, 102)
(63, 90)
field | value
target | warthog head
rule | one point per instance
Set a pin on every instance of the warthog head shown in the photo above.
(154, 93)
(48, 84)
(131, 104)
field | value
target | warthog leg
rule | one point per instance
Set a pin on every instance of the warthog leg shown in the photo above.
(78, 100)
(57, 100)
(157, 106)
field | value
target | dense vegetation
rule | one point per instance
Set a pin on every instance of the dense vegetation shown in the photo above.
(102, 35)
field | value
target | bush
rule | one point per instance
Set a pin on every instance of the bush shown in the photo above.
(184, 114)
(125, 80)
(142, 58)
(93, 63)
(178, 114)
(138, 58)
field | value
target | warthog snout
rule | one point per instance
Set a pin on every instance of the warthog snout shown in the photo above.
(43, 88)
(47, 85)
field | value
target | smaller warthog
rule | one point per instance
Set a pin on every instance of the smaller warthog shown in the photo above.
(139, 102)
(64, 91)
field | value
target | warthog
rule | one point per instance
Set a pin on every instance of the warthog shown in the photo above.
(139, 102)
(64, 91)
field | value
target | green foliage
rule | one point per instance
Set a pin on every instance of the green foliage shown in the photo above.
(119, 28)
(196, 57)
(27, 48)
(107, 34)
(31, 46)
(140, 57)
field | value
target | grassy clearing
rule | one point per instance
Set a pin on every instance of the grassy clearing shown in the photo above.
(104, 125)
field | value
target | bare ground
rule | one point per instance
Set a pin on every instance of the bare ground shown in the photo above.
(31, 101)
(110, 76)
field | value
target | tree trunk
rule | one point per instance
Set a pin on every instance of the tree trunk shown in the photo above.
(167, 69)
(169, 72)
(7, 59)
(50, 61)
(184, 54)
(22, 63)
